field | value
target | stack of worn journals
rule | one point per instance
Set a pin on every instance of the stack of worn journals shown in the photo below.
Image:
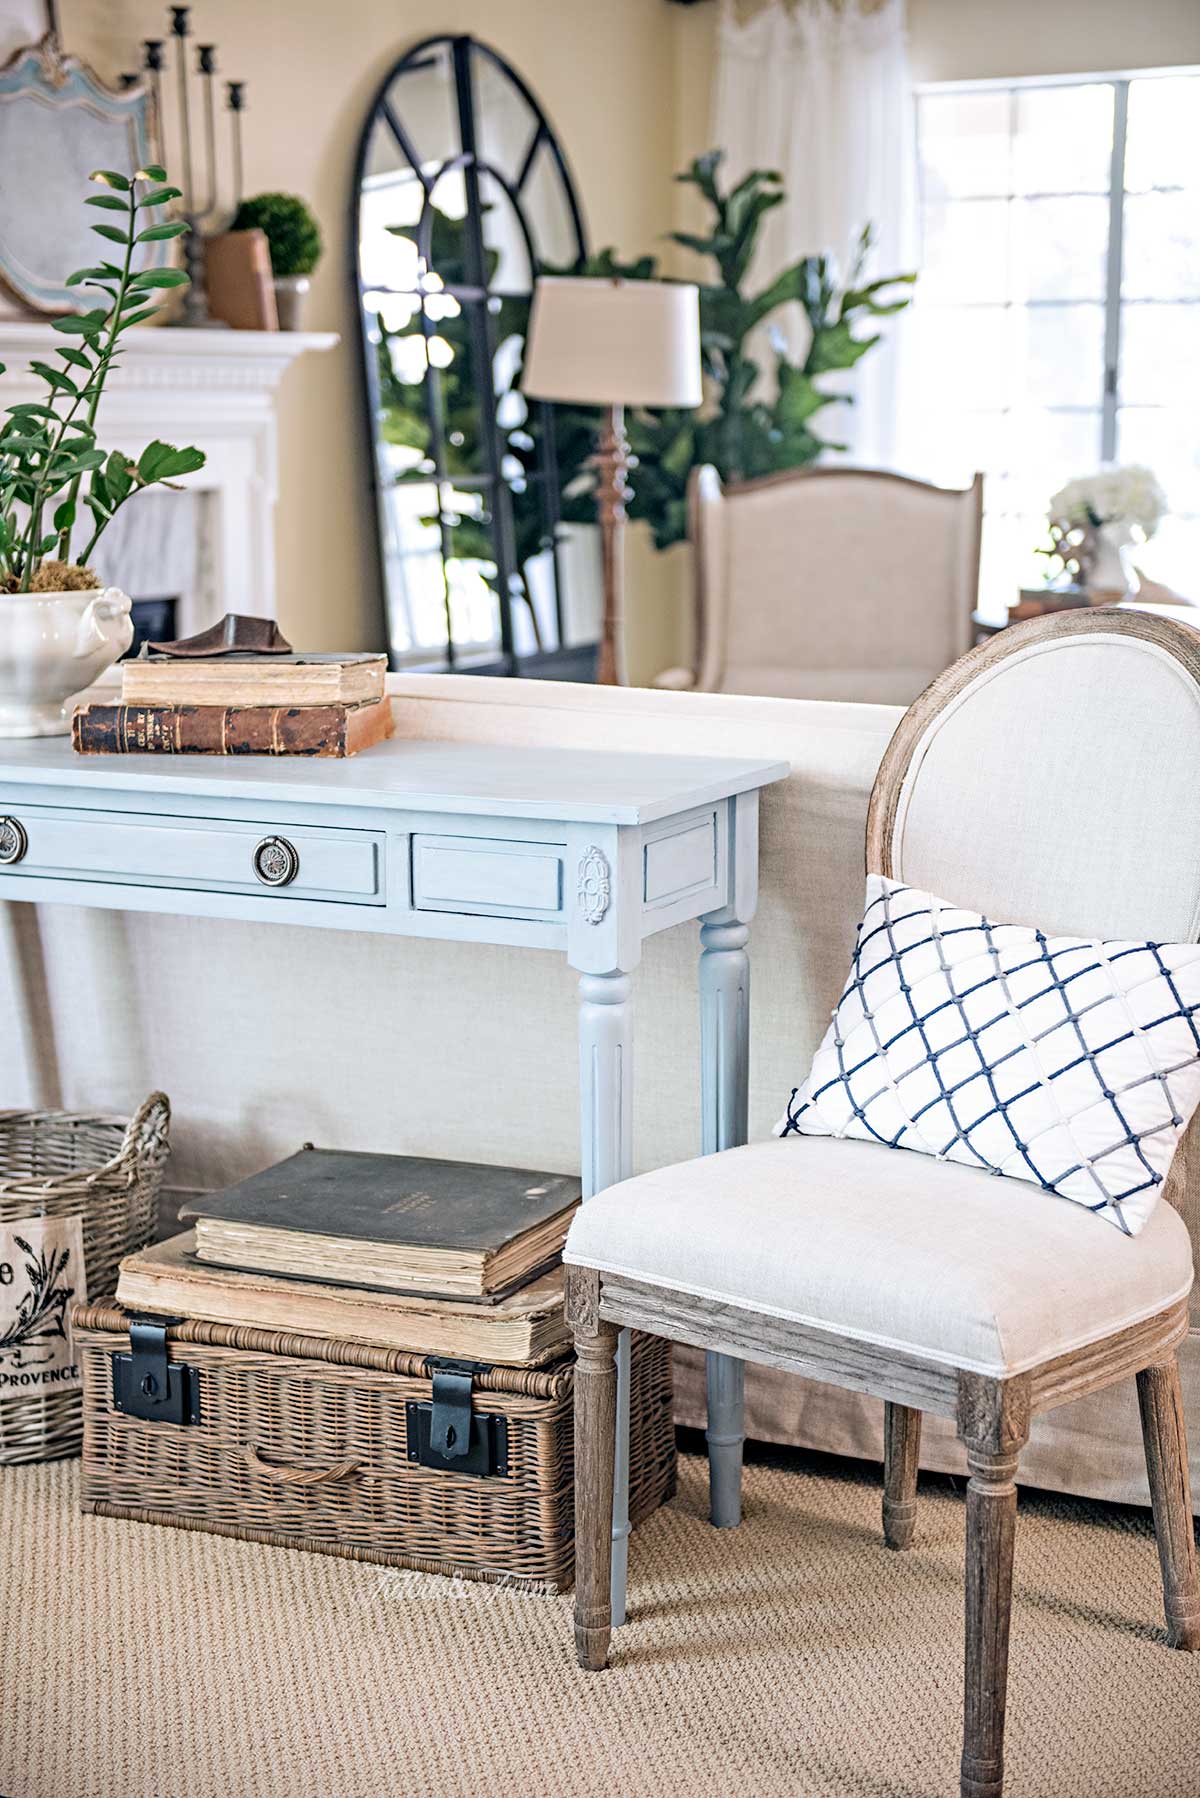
(315, 705)
(440, 1258)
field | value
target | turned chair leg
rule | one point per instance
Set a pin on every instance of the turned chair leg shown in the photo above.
(993, 1422)
(1165, 1439)
(901, 1452)
(595, 1455)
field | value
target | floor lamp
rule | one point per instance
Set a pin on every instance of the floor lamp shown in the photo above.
(613, 343)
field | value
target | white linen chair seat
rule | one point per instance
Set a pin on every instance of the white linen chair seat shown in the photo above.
(888, 1247)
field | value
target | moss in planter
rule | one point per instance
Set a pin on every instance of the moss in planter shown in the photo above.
(292, 232)
(57, 577)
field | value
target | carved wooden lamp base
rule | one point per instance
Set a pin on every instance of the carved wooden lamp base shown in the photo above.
(612, 494)
(605, 341)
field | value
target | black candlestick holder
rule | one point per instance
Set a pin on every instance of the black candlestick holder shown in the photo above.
(200, 172)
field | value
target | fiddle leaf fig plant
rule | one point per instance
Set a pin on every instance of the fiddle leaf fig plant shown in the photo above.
(54, 476)
(749, 426)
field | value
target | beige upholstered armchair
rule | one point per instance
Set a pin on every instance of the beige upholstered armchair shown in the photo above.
(829, 583)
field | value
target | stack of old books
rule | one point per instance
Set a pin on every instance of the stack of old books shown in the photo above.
(434, 1257)
(364, 1356)
(240, 704)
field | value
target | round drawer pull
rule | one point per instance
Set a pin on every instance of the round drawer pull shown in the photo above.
(13, 841)
(276, 862)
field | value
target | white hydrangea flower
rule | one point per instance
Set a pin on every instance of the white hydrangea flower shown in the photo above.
(1129, 496)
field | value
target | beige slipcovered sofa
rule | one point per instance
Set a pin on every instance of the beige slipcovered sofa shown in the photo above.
(267, 1036)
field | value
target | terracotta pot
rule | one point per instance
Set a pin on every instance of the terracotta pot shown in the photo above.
(52, 646)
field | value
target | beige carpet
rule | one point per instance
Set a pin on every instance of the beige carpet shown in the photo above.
(796, 1657)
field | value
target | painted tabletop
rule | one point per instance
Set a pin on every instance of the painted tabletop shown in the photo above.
(582, 786)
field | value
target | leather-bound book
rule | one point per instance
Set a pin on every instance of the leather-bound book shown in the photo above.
(391, 1223)
(526, 1328)
(313, 730)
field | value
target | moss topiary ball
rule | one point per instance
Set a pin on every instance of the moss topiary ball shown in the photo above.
(292, 233)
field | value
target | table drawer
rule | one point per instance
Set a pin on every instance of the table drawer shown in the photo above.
(205, 854)
(487, 877)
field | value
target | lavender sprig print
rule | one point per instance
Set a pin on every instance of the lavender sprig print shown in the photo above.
(41, 1313)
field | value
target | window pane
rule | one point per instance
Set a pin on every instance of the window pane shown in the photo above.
(965, 143)
(1166, 441)
(1059, 248)
(1009, 561)
(963, 356)
(1173, 556)
(1162, 246)
(1063, 142)
(965, 250)
(1059, 355)
(1160, 356)
(1162, 146)
(1050, 448)
(951, 447)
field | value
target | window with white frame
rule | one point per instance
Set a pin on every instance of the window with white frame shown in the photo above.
(1057, 319)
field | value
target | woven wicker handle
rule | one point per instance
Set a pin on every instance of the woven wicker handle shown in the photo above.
(147, 1140)
(299, 1476)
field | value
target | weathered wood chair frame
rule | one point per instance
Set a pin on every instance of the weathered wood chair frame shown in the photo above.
(992, 1415)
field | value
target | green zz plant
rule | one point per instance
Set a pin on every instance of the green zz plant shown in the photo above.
(53, 473)
(750, 426)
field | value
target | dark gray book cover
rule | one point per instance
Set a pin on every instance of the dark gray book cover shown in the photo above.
(405, 1200)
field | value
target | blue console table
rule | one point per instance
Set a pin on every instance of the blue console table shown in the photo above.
(584, 852)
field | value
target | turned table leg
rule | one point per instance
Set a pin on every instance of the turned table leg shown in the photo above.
(724, 1087)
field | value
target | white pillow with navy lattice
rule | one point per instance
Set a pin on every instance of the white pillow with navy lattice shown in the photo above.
(1064, 1061)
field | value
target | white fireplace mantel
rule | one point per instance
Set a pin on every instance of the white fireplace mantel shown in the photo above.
(215, 388)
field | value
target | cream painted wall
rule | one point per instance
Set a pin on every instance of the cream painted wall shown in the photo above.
(958, 40)
(603, 73)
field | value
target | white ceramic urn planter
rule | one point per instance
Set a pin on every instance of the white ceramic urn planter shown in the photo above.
(52, 646)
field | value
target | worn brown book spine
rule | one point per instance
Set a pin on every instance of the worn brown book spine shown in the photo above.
(314, 730)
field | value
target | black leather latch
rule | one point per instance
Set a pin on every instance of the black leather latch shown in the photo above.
(450, 1424)
(449, 1434)
(146, 1385)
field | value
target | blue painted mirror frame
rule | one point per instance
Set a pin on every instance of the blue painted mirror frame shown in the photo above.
(58, 122)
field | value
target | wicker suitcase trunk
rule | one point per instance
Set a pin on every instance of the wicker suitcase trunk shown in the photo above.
(325, 1445)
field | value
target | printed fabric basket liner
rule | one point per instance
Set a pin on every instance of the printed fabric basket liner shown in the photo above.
(310, 1443)
(65, 1179)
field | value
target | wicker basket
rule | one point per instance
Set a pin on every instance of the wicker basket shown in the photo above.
(105, 1170)
(304, 1443)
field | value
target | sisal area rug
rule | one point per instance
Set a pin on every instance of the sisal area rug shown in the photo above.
(795, 1658)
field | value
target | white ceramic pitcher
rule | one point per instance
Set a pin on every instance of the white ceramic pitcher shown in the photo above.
(52, 645)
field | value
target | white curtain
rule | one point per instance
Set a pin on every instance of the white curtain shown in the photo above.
(820, 91)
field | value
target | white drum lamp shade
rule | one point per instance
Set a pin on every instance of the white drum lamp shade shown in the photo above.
(598, 342)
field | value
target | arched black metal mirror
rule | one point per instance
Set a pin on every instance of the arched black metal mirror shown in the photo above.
(461, 195)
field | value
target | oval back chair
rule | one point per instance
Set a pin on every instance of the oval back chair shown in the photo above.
(1048, 777)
